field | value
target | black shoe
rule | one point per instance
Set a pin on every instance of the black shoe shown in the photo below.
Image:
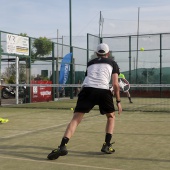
(60, 151)
(131, 102)
(107, 149)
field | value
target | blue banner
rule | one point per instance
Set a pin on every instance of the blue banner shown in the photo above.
(65, 68)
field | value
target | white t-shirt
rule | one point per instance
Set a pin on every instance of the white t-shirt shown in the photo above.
(99, 72)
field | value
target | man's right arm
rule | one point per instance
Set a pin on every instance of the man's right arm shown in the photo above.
(116, 88)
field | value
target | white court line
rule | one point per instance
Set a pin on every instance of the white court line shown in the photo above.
(24, 133)
(60, 163)
(28, 132)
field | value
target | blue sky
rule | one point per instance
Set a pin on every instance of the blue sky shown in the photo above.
(43, 17)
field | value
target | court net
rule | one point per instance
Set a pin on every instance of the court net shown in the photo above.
(145, 97)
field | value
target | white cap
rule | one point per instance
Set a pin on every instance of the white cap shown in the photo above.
(102, 49)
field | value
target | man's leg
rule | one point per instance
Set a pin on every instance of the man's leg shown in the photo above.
(129, 97)
(109, 131)
(110, 122)
(62, 150)
(77, 117)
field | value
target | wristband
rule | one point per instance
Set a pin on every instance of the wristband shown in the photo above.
(118, 101)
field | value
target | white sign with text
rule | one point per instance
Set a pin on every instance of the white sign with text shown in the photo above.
(17, 44)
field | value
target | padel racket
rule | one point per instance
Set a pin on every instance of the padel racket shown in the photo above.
(124, 85)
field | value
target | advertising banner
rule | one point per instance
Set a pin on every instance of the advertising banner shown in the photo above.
(41, 93)
(65, 68)
(17, 44)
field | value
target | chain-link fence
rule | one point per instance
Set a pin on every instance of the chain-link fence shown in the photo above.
(39, 73)
(144, 59)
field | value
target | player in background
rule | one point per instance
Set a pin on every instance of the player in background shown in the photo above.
(95, 91)
(122, 76)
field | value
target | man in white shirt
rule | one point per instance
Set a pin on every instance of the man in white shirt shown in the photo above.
(95, 91)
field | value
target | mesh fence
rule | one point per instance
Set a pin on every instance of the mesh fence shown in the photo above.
(143, 63)
(39, 69)
(143, 59)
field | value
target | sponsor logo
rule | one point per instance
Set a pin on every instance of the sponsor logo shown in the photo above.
(45, 93)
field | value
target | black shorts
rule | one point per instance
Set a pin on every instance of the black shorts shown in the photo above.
(89, 97)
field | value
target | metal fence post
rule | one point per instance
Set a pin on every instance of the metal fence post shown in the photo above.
(160, 64)
(71, 73)
(0, 68)
(87, 47)
(53, 72)
(130, 59)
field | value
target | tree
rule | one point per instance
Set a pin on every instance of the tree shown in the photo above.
(1, 49)
(23, 34)
(10, 73)
(43, 46)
